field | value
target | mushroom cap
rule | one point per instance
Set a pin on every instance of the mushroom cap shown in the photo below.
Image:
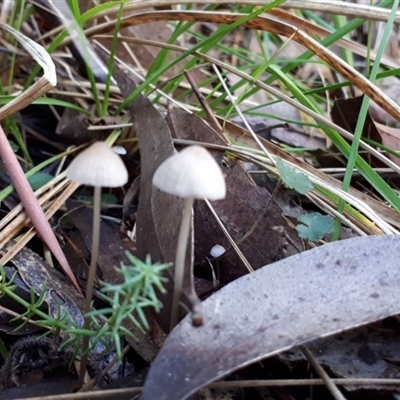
(191, 173)
(98, 165)
(217, 251)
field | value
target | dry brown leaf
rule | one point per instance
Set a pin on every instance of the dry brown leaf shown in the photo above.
(114, 245)
(241, 136)
(39, 277)
(390, 138)
(345, 113)
(370, 352)
(159, 214)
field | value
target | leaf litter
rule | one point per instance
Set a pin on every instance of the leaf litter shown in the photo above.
(249, 214)
(112, 253)
(368, 352)
(215, 358)
(281, 305)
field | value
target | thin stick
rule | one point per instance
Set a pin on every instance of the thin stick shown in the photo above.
(91, 276)
(335, 392)
(32, 206)
(179, 268)
(248, 383)
(229, 237)
(214, 123)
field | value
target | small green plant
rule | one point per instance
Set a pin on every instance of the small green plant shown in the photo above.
(292, 178)
(128, 300)
(314, 226)
(141, 280)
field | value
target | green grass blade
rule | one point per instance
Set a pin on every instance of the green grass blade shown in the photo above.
(204, 46)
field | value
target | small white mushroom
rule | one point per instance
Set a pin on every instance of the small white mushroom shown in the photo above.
(96, 166)
(217, 251)
(192, 174)
(119, 150)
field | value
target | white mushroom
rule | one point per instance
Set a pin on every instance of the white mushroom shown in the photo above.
(192, 174)
(97, 166)
(217, 251)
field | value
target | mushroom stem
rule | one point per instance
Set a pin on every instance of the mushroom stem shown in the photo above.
(180, 257)
(95, 244)
(91, 276)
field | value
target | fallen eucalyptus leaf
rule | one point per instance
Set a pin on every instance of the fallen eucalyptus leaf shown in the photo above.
(159, 214)
(60, 296)
(313, 294)
(345, 113)
(112, 253)
(368, 352)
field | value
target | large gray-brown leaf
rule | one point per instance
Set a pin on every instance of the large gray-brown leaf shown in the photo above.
(159, 214)
(367, 352)
(309, 295)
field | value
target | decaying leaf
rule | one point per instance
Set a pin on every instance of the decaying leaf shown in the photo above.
(7, 322)
(345, 113)
(159, 214)
(309, 295)
(114, 243)
(60, 297)
(30, 359)
(366, 352)
(58, 386)
(74, 128)
(391, 139)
